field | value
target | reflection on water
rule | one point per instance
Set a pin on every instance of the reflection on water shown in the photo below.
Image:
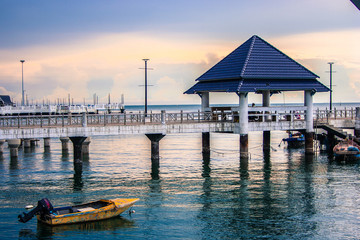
(276, 194)
(50, 232)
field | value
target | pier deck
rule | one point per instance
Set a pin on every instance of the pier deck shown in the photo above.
(260, 119)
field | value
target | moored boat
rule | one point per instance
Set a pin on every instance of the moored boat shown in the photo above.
(346, 150)
(295, 140)
(93, 211)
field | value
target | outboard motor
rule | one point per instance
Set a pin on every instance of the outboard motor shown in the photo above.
(44, 207)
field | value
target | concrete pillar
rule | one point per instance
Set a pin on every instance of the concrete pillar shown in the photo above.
(266, 141)
(244, 168)
(155, 156)
(33, 142)
(206, 154)
(85, 146)
(27, 143)
(206, 144)
(14, 147)
(163, 117)
(243, 125)
(309, 111)
(357, 123)
(205, 101)
(266, 134)
(266, 98)
(84, 120)
(64, 143)
(244, 146)
(331, 140)
(2, 146)
(77, 143)
(309, 135)
(46, 142)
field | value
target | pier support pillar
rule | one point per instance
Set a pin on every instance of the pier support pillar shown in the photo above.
(206, 144)
(244, 168)
(64, 143)
(77, 143)
(14, 145)
(309, 143)
(266, 134)
(244, 146)
(266, 102)
(46, 142)
(309, 135)
(85, 146)
(27, 143)
(205, 101)
(331, 142)
(357, 123)
(33, 142)
(155, 156)
(243, 125)
(2, 146)
(266, 141)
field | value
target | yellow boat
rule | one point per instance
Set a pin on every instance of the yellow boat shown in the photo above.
(93, 211)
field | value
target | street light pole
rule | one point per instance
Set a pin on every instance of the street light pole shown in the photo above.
(330, 63)
(22, 83)
(145, 60)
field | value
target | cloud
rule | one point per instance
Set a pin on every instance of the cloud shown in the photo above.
(110, 62)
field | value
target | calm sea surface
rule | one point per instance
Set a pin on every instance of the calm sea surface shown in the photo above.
(283, 195)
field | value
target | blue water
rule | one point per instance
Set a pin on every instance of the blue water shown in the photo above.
(283, 195)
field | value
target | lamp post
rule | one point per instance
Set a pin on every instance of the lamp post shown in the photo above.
(22, 83)
(145, 60)
(146, 84)
(330, 63)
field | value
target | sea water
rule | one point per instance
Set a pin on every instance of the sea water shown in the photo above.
(278, 195)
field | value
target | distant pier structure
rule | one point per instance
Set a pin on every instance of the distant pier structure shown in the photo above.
(258, 67)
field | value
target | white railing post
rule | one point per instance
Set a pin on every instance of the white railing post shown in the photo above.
(163, 117)
(84, 120)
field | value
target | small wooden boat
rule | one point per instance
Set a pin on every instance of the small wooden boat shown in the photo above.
(93, 211)
(346, 149)
(295, 140)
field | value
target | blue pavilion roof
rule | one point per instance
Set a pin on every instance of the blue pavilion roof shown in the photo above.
(254, 66)
(257, 85)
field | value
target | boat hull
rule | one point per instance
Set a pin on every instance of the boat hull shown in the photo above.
(346, 150)
(346, 156)
(115, 208)
(295, 144)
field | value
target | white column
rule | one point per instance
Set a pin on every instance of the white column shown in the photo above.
(309, 111)
(266, 98)
(205, 101)
(243, 113)
(266, 101)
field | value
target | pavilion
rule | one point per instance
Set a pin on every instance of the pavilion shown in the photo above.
(258, 67)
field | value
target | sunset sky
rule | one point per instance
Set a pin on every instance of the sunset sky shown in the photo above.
(86, 46)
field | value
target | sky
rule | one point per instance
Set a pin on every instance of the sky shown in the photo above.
(86, 47)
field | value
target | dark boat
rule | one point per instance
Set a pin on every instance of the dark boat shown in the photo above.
(346, 150)
(295, 140)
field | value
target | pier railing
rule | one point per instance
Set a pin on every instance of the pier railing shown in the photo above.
(105, 119)
(255, 114)
(326, 115)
